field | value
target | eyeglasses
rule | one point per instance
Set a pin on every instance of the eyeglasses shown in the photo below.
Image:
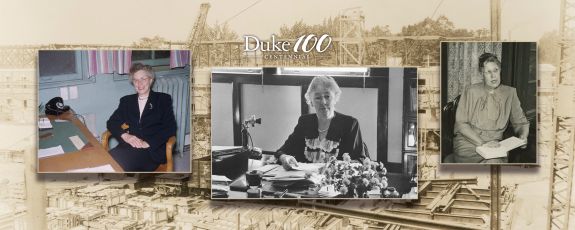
(141, 80)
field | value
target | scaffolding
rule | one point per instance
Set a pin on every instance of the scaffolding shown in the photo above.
(352, 43)
(562, 160)
(198, 28)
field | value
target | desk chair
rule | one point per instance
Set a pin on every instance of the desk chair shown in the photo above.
(167, 167)
(447, 130)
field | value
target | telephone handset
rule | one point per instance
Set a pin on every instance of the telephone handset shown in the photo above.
(56, 107)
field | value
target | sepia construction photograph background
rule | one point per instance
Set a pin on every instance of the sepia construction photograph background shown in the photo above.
(365, 33)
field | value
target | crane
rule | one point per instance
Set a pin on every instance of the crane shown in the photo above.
(198, 29)
(561, 180)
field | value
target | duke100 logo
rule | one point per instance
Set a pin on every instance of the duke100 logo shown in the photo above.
(302, 46)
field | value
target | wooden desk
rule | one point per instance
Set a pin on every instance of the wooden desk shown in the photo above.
(92, 155)
(397, 180)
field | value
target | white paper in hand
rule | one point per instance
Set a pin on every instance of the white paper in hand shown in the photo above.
(504, 147)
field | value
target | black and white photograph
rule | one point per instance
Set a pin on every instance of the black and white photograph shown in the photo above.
(314, 133)
(489, 102)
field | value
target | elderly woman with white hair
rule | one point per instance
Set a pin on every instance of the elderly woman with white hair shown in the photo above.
(142, 123)
(327, 133)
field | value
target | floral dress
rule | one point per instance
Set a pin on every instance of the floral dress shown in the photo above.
(343, 136)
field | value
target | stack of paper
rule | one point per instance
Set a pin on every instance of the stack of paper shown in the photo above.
(308, 167)
(267, 168)
(50, 151)
(299, 172)
(501, 151)
(44, 123)
(220, 184)
(77, 141)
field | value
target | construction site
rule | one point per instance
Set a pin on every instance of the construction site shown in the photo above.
(477, 197)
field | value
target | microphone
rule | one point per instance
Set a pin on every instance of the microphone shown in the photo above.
(151, 106)
(252, 121)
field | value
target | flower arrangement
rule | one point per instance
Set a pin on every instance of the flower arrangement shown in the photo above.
(353, 179)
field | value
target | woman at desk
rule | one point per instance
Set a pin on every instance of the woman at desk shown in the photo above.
(142, 123)
(327, 133)
(483, 113)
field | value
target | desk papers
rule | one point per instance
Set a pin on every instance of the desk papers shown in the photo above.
(501, 151)
(267, 168)
(307, 167)
(280, 174)
(218, 178)
(44, 123)
(78, 143)
(50, 151)
(220, 184)
(97, 169)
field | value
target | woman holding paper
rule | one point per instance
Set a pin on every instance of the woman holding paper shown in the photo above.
(483, 113)
(325, 134)
(142, 123)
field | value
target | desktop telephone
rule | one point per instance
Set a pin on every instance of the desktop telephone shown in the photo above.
(56, 107)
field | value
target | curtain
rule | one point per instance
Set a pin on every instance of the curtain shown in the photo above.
(179, 58)
(463, 64)
(120, 61)
(106, 61)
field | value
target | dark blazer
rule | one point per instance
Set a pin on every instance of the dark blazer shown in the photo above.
(343, 129)
(155, 127)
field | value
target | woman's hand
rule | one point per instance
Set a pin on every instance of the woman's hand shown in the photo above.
(491, 144)
(134, 141)
(524, 139)
(469, 133)
(288, 161)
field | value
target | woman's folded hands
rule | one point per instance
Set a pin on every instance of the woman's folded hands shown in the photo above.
(134, 141)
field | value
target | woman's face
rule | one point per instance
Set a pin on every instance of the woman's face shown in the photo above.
(323, 100)
(142, 82)
(491, 75)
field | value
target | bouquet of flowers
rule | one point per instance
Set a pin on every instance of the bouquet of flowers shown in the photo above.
(353, 179)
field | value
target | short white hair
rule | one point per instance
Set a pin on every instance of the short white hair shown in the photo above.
(324, 82)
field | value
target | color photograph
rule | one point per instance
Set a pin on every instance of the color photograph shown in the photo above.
(113, 111)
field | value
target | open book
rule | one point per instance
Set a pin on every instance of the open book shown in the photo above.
(501, 151)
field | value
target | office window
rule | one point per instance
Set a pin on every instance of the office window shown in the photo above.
(330, 71)
(62, 67)
(159, 59)
(151, 57)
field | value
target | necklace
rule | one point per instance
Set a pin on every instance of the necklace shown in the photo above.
(324, 130)
(142, 98)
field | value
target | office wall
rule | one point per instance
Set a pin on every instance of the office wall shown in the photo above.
(96, 101)
(395, 116)
(222, 115)
(278, 106)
